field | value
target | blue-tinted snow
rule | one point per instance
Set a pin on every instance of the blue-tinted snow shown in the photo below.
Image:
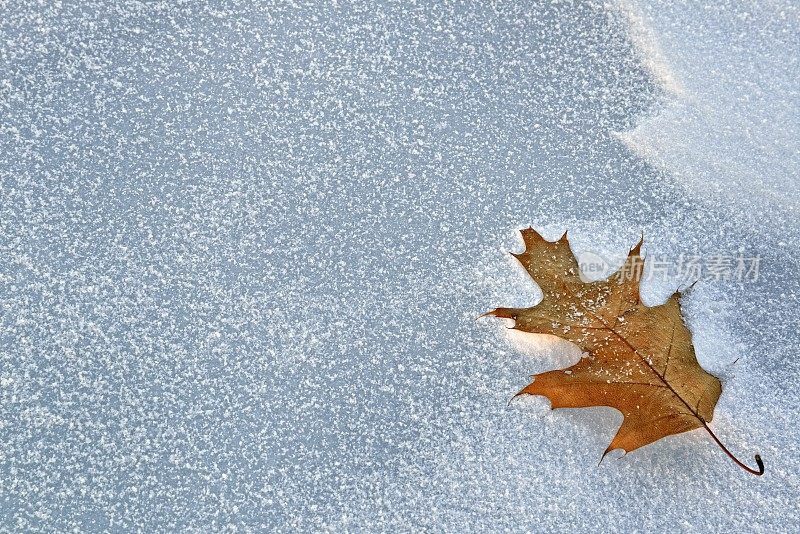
(243, 246)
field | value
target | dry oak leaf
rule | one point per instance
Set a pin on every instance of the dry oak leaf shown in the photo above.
(637, 359)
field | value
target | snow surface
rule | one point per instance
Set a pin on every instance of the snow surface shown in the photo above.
(243, 247)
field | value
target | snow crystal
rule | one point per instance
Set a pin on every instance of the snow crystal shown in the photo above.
(243, 246)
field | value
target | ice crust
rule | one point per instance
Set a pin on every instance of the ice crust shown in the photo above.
(243, 246)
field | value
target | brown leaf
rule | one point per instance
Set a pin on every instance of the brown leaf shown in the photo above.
(638, 359)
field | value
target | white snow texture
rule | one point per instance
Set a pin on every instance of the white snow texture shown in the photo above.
(243, 246)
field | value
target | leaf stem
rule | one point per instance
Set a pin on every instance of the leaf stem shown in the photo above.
(760, 463)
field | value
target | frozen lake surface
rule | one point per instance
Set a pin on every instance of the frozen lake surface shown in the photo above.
(243, 247)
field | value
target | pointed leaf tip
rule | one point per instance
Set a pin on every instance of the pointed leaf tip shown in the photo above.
(530, 237)
(637, 249)
(503, 313)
